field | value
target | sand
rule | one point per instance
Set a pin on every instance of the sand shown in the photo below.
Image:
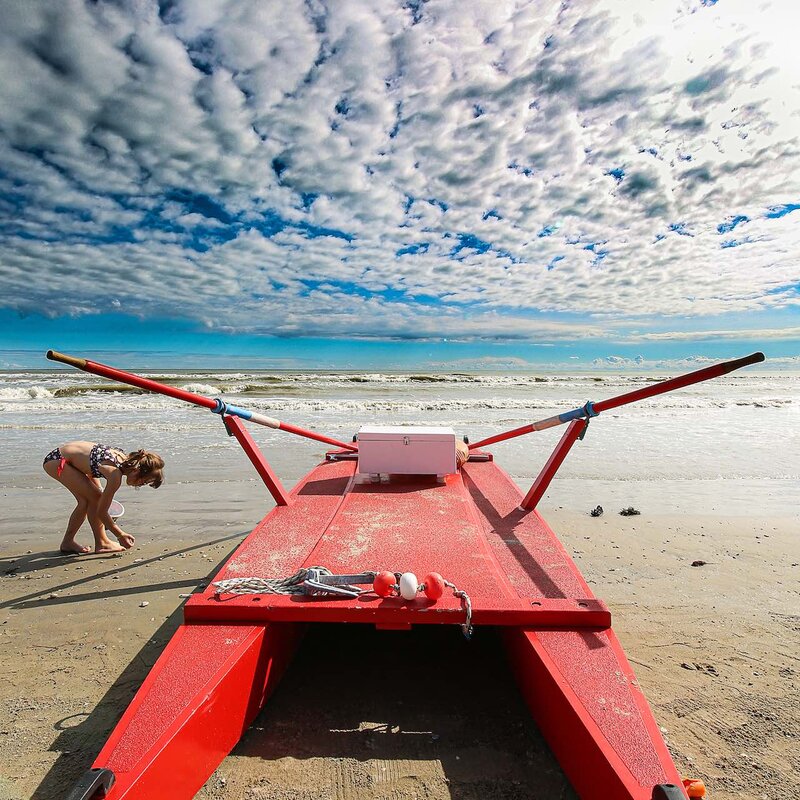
(365, 714)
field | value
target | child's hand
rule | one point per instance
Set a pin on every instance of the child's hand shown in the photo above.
(126, 540)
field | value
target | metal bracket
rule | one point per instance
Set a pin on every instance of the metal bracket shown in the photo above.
(228, 428)
(93, 785)
(341, 455)
(667, 791)
(318, 582)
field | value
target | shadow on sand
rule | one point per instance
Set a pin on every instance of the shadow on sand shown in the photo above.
(356, 693)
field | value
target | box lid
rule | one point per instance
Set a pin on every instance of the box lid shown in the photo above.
(375, 433)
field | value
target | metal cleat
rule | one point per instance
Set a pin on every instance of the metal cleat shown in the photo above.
(318, 581)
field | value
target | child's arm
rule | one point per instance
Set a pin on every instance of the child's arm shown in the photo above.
(113, 482)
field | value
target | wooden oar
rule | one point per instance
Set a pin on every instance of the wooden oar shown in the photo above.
(593, 409)
(217, 406)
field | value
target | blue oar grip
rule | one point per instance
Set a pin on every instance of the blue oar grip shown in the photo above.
(579, 413)
(223, 408)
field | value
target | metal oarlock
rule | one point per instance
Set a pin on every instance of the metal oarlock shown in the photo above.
(319, 581)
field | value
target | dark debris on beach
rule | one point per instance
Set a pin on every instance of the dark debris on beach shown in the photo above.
(630, 511)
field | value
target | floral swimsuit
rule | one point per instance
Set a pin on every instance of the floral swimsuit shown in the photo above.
(99, 454)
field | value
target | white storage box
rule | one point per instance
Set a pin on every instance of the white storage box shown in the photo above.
(406, 451)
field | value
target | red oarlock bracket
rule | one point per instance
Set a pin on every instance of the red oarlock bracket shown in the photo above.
(235, 427)
(575, 430)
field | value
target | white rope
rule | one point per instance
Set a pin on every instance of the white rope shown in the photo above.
(291, 585)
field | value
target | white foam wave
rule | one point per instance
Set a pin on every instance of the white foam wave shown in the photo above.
(200, 388)
(24, 393)
(38, 400)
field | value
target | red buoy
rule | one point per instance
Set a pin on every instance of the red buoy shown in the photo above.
(434, 585)
(384, 584)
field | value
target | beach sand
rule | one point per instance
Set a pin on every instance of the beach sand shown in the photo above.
(365, 714)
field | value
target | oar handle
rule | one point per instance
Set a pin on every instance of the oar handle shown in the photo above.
(78, 363)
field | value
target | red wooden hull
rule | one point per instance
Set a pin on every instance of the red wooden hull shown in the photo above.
(222, 664)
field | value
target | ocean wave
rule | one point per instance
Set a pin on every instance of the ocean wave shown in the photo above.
(23, 393)
(254, 381)
(100, 388)
(200, 388)
(115, 399)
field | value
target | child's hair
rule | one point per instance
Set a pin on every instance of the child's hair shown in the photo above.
(148, 465)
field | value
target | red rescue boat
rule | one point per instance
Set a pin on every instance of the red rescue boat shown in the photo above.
(346, 545)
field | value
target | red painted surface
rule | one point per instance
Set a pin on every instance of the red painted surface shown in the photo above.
(372, 529)
(192, 709)
(235, 426)
(279, 543)
(577, 683)
(534, 561)
(539, 487)
(584, 697)
(370, 609)
(217, 671)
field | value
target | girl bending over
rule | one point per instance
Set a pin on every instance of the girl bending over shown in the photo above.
(79, 467)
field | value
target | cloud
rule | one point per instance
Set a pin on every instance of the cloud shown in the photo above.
(375, 169)
(741, 333)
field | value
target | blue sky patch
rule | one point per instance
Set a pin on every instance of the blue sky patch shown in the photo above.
(413, 249)
(469, 241)
(680, 229)
(730, 224)
(775, 212)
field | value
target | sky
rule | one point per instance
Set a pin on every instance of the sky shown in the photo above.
(360, 183)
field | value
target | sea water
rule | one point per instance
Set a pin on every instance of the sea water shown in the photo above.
(731, 445)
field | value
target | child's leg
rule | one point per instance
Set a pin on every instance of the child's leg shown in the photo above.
(87, 495)
(68, 543)
(102, 544)
(77, 518)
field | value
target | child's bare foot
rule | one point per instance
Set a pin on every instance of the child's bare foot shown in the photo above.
(73, 549)
(109, 547)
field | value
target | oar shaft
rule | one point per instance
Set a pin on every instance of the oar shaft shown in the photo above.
(133, 380)
(699, 375)
(531, 427)
(592, 409)
(190, 397)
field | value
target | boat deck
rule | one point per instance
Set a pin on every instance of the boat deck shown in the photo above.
(569, 666)
(468, 528)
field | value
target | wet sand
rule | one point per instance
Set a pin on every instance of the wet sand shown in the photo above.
(365, 714)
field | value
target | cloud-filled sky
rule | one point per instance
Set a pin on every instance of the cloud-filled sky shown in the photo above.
(535, 172)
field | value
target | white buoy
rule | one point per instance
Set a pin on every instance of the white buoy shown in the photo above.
(408, 585)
